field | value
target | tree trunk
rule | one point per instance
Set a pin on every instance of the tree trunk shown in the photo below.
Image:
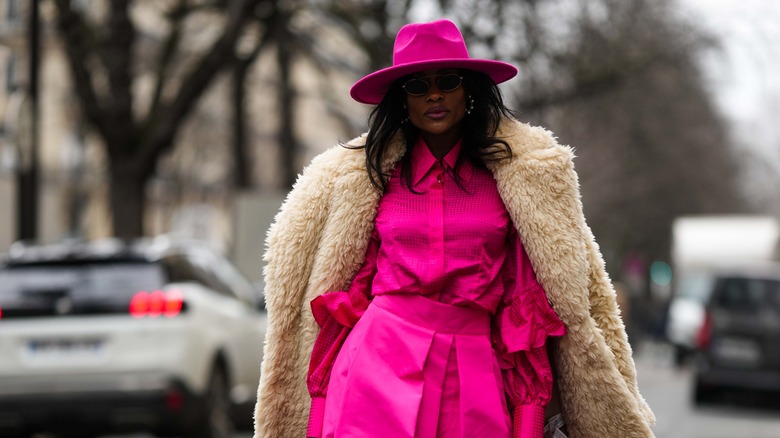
(127, 192)
(285, 98)
(241, 164)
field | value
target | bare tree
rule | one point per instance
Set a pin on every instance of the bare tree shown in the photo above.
(652, 145)
(264, 20)
(102, 58)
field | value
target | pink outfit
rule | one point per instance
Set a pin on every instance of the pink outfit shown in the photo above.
(457, 326)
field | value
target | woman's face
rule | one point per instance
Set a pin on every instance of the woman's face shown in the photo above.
(437, 113)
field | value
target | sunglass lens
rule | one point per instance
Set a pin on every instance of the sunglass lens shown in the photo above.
(416, 87)
(448, 82)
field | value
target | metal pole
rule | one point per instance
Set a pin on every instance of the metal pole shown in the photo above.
(28, 176)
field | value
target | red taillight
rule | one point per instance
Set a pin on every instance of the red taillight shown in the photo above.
(704, 336)
(173, 303)
(174, 400)
(139, 305)
(156, 303)
(152, 305)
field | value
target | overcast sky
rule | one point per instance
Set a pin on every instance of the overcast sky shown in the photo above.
(745, 78)
(745, 73)
(749, 65)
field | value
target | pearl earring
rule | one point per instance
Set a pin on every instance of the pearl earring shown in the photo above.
(471, 105)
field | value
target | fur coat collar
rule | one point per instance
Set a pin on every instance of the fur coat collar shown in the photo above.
(319, 237)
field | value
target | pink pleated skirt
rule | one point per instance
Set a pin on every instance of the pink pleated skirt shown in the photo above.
(414, 367)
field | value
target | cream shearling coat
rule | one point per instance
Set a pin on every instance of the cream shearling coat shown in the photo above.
(319, 238)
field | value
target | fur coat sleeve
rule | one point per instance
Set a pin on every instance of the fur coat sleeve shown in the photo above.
(320, 235)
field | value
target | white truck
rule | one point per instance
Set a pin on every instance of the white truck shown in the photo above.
(700, 246)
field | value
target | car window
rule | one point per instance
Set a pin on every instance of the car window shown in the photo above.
(694, 285)
(229, 275)
(748, 294)
(82, 279)
(54, 289)
(203, 263)
(180, 270)
(212, 271)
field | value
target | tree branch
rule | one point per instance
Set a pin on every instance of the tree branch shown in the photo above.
(166, 57)
(79, 48)
(116, 55)
(578, 91)
(194, 85)
(242, 175)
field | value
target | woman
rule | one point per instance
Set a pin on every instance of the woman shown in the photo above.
(428, 250)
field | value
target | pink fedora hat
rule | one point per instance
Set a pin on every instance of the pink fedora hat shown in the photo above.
(423, 46)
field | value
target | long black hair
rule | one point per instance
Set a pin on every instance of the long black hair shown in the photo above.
(478, 130)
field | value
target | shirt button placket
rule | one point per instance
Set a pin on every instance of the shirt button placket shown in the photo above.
(438, 256)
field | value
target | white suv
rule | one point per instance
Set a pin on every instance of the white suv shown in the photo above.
(111, 336)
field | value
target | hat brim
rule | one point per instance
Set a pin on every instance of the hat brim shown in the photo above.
(372, 88)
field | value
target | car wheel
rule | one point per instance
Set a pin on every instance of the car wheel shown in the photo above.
(16, 434)
(216, 421)
(704, 394)
(680, 356)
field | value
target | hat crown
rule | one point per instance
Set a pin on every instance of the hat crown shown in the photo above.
(424, 46)
(419, 42)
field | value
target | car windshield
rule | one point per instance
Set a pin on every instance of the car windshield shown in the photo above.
(93, 279)
(749, 294)
(694, 285)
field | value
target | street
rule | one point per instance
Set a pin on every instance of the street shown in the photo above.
(667, 390)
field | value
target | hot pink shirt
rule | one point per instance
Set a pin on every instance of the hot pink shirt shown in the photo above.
(456, 245)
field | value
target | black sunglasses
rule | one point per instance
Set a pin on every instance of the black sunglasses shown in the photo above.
(420, 86)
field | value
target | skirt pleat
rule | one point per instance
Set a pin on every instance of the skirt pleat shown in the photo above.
(413, 367)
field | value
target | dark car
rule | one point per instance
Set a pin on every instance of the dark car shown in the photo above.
(739, 343)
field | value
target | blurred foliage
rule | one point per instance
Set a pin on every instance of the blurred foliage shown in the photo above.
(652, 145)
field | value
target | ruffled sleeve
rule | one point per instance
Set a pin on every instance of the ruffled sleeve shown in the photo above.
(336, 313)
(522, 323)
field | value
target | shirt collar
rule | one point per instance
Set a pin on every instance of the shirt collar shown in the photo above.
(423, 160)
